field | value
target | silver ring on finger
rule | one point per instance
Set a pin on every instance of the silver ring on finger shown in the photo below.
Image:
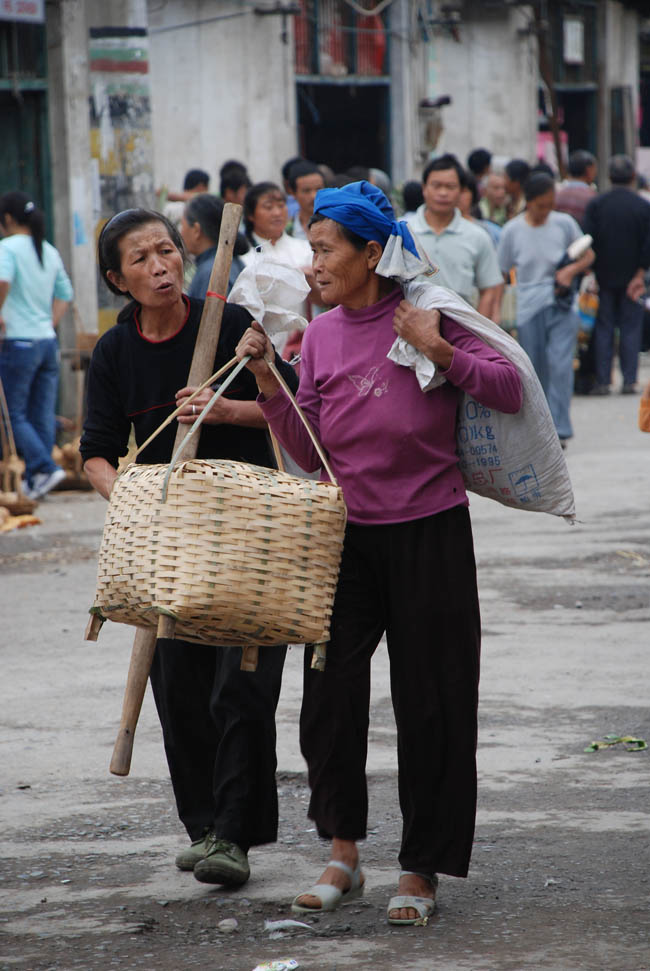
(193, 409)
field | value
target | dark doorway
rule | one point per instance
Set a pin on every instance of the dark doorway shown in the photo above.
(24, 147)
(344, 124)
(579, 113)
(24, 151)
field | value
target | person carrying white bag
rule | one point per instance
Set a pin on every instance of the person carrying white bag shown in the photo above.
(408, 566)
(513, 458)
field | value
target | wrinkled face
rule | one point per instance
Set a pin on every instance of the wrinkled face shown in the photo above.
(495, 190)
(342, 271)
(270, 216)
(539, 207)
(151, 268)
(441, 192)
(305, 192)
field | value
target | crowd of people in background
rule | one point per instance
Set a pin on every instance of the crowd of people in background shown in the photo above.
(497, 236)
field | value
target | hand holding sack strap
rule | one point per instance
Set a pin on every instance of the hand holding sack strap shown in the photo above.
(235, 553)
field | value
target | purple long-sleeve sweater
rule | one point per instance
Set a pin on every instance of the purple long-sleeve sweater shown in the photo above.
(391, 446)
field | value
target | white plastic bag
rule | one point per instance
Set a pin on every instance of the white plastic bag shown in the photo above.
(273, 293)
(515, 459)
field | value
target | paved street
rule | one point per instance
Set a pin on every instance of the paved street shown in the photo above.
(559, 878)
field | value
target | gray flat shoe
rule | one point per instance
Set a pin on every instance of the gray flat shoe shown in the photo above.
(424, 906)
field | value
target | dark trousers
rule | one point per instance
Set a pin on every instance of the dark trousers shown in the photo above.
(218, 726)
(615, 309)
(417, 582)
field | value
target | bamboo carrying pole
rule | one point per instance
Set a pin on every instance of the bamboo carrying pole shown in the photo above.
(205, 349)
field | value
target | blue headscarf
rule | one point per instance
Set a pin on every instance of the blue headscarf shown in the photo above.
(364, 209)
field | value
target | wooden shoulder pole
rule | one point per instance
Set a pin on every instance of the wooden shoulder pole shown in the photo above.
(201, 368)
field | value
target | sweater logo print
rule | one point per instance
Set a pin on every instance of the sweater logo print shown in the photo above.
(366, 384)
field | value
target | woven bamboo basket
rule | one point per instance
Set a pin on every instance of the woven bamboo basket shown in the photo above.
(235, 554)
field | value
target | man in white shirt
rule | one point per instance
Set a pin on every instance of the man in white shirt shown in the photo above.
(461, 249)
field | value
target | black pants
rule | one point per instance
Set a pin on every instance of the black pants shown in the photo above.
(615, 309)
(416, 581)
(218, 726)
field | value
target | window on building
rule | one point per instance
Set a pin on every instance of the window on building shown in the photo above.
(573, 41)
(22, 51)
(334, 40)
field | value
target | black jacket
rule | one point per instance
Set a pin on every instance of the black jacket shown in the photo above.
(133, 381)
(619, 221)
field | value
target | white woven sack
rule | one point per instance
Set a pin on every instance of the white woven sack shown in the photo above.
(515, 459)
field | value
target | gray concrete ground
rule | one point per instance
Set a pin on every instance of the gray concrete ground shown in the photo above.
(559, 877)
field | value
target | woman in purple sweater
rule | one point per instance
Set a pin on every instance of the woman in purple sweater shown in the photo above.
(408, 564)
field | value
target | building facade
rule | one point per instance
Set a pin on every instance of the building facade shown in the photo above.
(136, 92)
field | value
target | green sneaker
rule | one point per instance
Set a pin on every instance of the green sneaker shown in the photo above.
(187, 859)
(224, 863)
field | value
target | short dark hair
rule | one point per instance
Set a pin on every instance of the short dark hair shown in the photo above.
(232, 163)
(538, 184)
(621, 170)
(251, 199)
(542, 166)
(472, 184)
(286, 168)
(358, 173)
(119, 226)
(303, 168)
(22, 210)
(517, 170)
(233, 178)
(357, 241)
(206, 210)
(412, 195)
(340, 180)
(479, 160)
(442, 164)
(579, 162)
(195, 177)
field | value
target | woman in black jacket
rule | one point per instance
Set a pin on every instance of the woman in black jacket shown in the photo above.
(218, 722)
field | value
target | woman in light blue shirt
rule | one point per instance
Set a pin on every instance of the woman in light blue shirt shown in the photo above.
(34, 293)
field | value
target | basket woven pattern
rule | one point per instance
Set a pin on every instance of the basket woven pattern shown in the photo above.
(238, 554)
